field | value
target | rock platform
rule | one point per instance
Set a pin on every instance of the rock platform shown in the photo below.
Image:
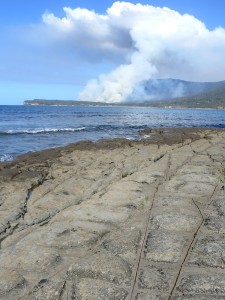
(114, 220)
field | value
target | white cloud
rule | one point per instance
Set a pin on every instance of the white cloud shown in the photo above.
(91, 35)
(144, 42)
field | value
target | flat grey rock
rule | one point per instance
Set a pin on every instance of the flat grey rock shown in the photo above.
(116, 220)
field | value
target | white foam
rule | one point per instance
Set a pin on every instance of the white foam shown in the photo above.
(43, 130)
(5, 157)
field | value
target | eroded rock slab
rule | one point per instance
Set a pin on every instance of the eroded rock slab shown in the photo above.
(117, 220)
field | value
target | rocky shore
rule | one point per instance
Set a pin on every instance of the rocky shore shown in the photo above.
(119, 219)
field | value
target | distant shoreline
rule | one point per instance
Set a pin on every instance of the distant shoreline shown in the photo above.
(42, 102)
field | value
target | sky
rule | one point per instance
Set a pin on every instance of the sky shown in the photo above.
(106, 50)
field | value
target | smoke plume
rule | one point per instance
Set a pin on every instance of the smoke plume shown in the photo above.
(142, 42)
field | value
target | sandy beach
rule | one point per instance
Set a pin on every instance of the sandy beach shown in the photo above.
(117, 219)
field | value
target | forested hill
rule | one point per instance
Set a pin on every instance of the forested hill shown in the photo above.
(162, 93)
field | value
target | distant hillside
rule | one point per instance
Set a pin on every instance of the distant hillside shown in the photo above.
(159, 89)
(163, 93)
(212, 95)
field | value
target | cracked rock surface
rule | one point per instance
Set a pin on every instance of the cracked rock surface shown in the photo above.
(132, 220)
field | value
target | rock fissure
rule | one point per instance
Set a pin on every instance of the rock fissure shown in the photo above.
(32, 188)
(190, 247)
(193, 241)
(24, 208)
(140, 254)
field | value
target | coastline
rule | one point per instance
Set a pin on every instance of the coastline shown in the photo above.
(149, 136)
(116, 219)
(131, 106)
(43, 128)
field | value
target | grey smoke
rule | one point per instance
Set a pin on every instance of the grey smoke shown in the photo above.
(160, 89)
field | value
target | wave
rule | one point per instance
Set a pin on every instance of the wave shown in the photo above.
(219, 125)
(41, 130)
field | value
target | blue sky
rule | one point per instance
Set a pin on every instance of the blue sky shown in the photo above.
(38, 61)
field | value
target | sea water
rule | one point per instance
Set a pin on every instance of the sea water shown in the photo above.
(30, 128)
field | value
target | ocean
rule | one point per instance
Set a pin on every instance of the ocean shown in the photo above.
(30, 128)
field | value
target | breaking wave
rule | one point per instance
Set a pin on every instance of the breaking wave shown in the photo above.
(41, 130)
